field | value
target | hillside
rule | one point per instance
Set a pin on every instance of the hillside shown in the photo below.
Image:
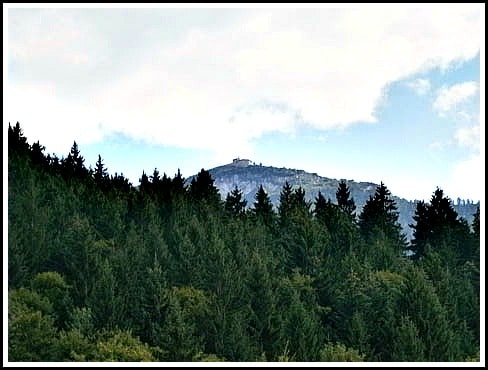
(99, 270)
(248, 176)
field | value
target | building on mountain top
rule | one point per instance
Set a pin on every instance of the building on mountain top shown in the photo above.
(241, 162)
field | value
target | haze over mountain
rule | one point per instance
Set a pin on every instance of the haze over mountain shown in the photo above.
(247, 176)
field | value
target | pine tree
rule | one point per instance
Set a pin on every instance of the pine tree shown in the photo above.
(144, 183)
(421, 304)
(73, 164)
(235, 205)
(299, 202)
(263, 208)
(202, 188)
(476, 223)
(286, 202)
(178, 184)
(17, 142)
(37, 156)
(325, 211)
(341, 228)
(421, 230)
(344, 200)
(155, 181)
(78, 159)
(380, 214)
(121, 183)
(100, 175)
(407, 344)
(437, 226)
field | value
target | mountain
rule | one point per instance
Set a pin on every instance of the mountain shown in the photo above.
(247, 176)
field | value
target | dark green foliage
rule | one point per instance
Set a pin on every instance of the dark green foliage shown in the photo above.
(407, 344)
(421, 230)
(37, 156)
(379, 219)
(476, 223)
(439, 228)
(120, 183)
(263, 208)
(344, 200)
(101, 271)
(145, 185)
(178, 188)
(299, 202)
(73, 166)
(301, 334)
(286, 202)
(342, 230)
(322, 208)
(421, 303)
(101, 175)
(186, 313)
(202, 188)
(17, 142)
(234, 204)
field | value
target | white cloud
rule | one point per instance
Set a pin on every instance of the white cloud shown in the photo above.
(469, 137)
(420, 86)
(403, 186)
(448, 98)
(467, 180)
(217, 79)
(51, 119)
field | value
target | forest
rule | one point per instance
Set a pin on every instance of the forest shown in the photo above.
(102, 270)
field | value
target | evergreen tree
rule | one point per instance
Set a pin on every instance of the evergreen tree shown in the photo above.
(407, 344)
(380, 214)
(345, 202)
(155, 181)
(476, 223)
(100, 175)
(343, 232)
(100, 171)
(325, 211)
(298, 201)
(320, 205)
(235, 205)
(286, 201)
(155, 275)
(121, 183)
(421, 230)
(37, 156)
(421, 304)
(263, 208)
(17, 142)
(202, 188)
(73, 164)
(78, 159)
(178, 187)
(144, 183)
(438, 227)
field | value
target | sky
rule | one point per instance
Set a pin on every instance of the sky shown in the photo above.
(365, 93)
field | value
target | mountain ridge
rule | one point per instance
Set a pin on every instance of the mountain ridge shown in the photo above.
(248, 176)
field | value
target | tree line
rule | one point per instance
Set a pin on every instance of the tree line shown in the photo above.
(100, 270)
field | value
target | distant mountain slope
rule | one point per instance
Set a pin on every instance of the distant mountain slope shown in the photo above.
(248, 176)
